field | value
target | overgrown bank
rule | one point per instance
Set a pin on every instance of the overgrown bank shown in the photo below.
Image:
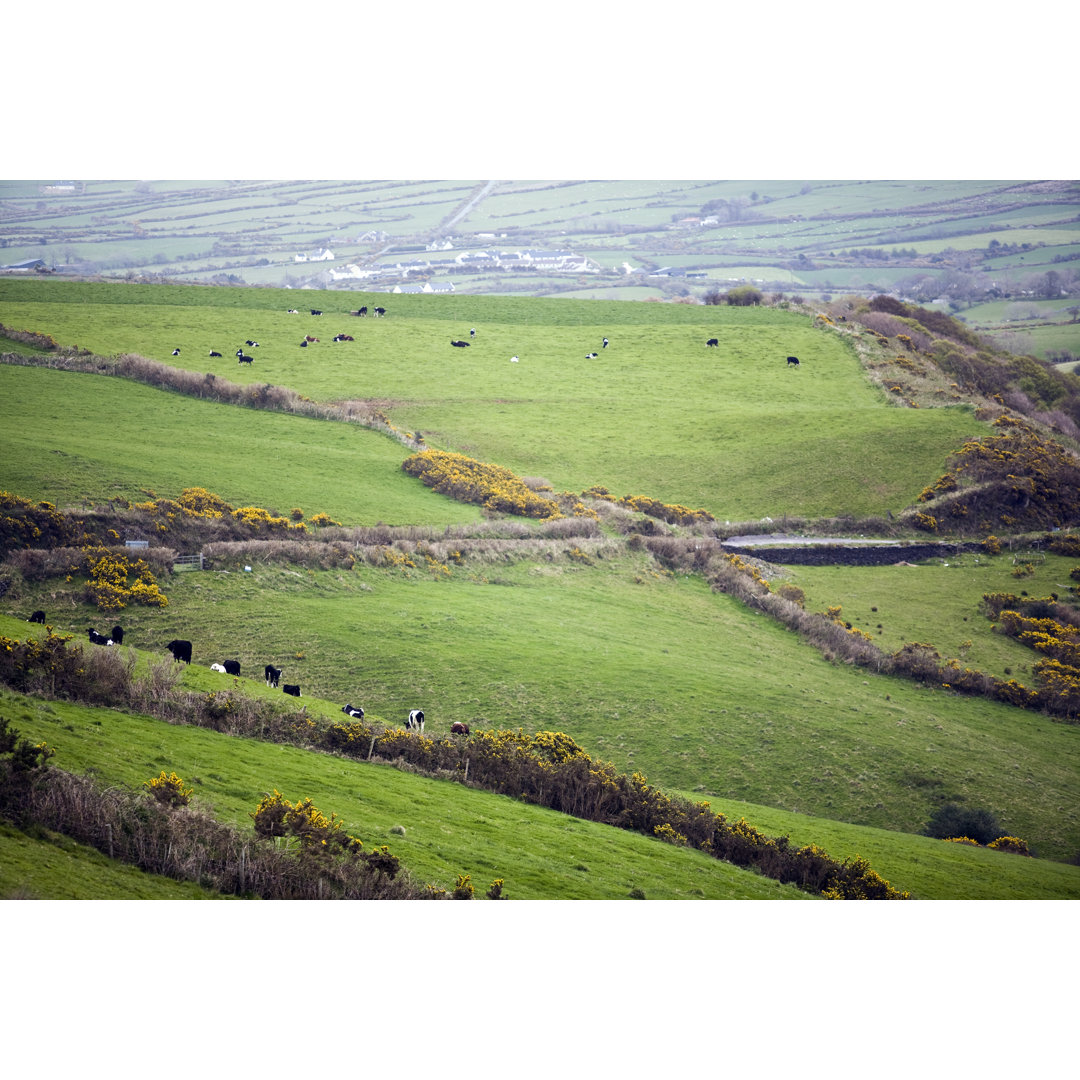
(547, 769)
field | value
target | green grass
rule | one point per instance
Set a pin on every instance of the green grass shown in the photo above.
(111, 437)
(939, 602)
(449, 829)
(653, 673)
(732, 430)
(43, 865)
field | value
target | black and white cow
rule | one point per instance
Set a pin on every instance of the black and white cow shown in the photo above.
(213, 352)
(37, 616)
(288, 688)
(273, 674)
(242, 359)
(353, 711)
(180, 649)
(176, 352)
(99, 639)
(378, 311)
(713, 342)
(232, 667)
(415, 721)
(362, 313)
(590, 356)
(605, 343)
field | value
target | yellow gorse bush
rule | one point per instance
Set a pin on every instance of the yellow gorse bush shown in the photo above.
(490, 486)
(169, 789)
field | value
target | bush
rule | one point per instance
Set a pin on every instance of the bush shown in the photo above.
(952, 821)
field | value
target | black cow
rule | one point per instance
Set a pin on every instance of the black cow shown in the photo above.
(314, 312)
(458, 728)
(415, 721)
(232, 667)
(99, 639)
(290, 689)
(117, 634)
(353, 711)
(37, 616)
(303, 344)
(713, 342)
(793, 361)
(181, 650)
(460, 344)
(273, 674)
(242, 359)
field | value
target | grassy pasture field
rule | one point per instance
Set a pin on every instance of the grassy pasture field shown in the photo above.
(111, 437)
(450, 829)
(649, 670)
(652, 672)
(731, 429)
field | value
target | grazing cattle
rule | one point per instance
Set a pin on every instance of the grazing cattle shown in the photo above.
(460, 344)
(458, 728)
(253, 344)
(99, 639)
(213, 353)
(303, 344)
(378, 311)
(272, 674)
(590, 356)
(713, 342)
(181, 650)
(314, 312)
(176, 352)
(362, 312)
(343, 337)
(37, 616)
(232, 667)
(513, 359)
(309, 338)
(353, 711)
(242, 359)
(415, 721)
(117, 634)
(293, 691)
(217, 667)
(292, 311)
(605, 343)
(793, 361)
(472, 332)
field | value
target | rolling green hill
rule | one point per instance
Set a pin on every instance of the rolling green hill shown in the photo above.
(587, 633)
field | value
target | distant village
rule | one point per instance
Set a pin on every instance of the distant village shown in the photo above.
(436, 263)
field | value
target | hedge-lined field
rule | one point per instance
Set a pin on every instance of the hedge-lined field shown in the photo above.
(731, 429)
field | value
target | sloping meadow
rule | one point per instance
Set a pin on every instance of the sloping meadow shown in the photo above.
(733, 429)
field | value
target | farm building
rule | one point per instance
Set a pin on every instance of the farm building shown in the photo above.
(326, 255)
(28, 265)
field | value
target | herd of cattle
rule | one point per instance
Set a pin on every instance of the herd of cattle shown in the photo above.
(181, 653)
(378, 312)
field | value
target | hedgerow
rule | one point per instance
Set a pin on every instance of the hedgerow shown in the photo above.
(548, 768)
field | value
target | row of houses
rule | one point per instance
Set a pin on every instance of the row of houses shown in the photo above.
(476, 261)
